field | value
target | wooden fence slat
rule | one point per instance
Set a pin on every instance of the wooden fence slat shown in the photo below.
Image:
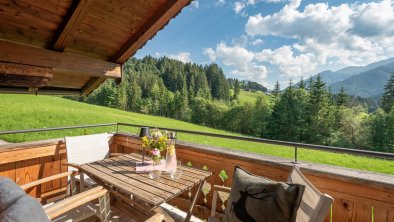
(28, 171)
(46, 170)
(8, 170)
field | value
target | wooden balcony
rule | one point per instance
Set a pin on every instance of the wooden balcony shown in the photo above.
(358, 195)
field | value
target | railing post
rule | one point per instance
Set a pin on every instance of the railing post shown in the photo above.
(295, 154)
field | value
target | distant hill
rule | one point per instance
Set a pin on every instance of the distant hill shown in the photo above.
(366, 84)
(331, 77)
(364, 81)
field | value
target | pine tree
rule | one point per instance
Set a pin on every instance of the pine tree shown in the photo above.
(342, 97)
(276, 90)
(388, 96)
(237, 89)
(302, 83)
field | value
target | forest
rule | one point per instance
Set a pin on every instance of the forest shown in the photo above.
(306, 112)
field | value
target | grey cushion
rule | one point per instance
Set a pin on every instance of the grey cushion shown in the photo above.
(255, 198)
(17, 206)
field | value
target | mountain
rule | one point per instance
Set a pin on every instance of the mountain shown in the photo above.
(366, 84)
(331, 77)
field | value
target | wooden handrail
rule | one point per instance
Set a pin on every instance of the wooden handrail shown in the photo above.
(74, 201)
(47, 179)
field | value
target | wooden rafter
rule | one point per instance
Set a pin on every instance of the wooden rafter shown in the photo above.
(149, 29)
(74, 18)
(91, 85)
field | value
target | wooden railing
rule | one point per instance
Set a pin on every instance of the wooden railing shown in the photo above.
(359, 195)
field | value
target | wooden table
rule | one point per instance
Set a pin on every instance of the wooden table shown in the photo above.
(118, 174)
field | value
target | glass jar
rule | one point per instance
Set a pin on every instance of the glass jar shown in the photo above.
(171, 162)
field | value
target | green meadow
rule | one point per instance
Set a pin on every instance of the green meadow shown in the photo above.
(19, 112)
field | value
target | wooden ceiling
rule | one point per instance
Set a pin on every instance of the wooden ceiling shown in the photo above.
(70, 47)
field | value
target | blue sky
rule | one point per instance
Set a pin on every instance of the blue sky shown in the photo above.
(277, 40)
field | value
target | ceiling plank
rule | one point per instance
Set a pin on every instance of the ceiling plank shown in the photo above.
(74, 18)
(169, 10)
(61, 62)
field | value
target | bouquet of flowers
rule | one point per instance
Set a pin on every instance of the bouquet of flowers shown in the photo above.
(156, 143)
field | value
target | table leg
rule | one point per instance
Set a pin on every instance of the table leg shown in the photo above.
(196, 195)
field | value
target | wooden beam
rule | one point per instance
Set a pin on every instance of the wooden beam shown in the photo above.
(76, 14)
(25, 70)
(91, 85)
(61, 62)
(19, 75)
(170, 9)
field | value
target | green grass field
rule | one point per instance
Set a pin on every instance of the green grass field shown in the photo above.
(250, 97)
(27, 112)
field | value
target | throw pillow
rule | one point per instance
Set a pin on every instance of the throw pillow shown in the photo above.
(255, 198)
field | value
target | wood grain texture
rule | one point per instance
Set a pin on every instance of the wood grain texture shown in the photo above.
(91, 85)
(29, 153)
(149, 29)
(28, 171)
(60, 62)
(76, 14)
(8, 170)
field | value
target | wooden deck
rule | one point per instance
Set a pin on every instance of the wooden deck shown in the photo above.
(355, 192)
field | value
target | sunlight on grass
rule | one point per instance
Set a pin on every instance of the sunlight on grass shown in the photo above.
(28, 112)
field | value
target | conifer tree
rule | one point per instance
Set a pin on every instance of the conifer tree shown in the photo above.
(342, 97)
(388, 96)
(237, 89)
(276, 90)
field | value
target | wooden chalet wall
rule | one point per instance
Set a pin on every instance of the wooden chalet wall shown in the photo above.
(355, 192)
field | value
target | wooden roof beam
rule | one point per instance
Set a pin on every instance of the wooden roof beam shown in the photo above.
(170, 9)
(76, 14)
(61, 62)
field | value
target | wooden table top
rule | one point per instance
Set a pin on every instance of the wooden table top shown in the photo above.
(119, 172)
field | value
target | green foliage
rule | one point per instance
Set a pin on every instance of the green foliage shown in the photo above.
(309, 113)
(388, 96)
(22, 112)
(223, 175)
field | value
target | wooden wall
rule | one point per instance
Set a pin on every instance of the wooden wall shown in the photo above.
(355, 192)
(26, 162)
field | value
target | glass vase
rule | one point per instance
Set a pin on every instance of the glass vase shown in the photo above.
(155, 170)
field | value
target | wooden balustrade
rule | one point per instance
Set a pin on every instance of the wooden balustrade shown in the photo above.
(359, 195)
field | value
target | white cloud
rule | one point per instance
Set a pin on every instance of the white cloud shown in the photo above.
(240, 59)
(326, 35)
(256, 42)
(220, 2)
(238, 7)
(289, 64)
(181, 56)
(195, 4)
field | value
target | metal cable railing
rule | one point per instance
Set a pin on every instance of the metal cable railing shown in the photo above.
(366, 153)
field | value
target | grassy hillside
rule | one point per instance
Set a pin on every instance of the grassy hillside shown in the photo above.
(246, 96)
(26, 112)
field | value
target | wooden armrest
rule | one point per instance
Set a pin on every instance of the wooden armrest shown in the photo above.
(115, 154)
(222, 188)
(70, 203)
(47, 179)
(77, 166)
(217, 188)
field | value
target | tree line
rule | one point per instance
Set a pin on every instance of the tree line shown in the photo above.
(307, 112)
